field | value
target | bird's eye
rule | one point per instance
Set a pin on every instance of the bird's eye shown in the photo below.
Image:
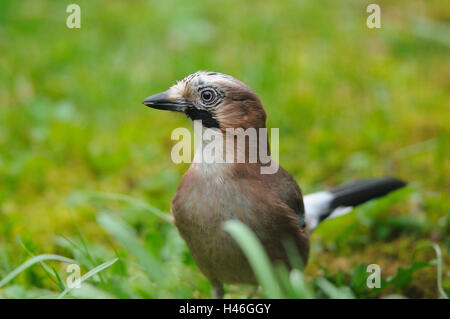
(208, 96)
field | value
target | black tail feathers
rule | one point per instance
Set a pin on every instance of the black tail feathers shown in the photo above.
(341, 199)
(356, 193)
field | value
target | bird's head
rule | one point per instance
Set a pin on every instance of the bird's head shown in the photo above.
(219, 100)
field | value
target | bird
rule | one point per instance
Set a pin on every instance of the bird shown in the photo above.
(271, 205)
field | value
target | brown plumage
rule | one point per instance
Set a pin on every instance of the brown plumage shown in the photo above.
(269, 205)
(211, 193)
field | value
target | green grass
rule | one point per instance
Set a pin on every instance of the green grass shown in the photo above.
(85, 169)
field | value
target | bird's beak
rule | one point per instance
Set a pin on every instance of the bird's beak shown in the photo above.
(162, 101)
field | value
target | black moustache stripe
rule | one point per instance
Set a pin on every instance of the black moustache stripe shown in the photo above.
(206, 117)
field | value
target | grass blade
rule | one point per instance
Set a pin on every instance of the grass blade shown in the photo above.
(124, 235)
(438, 252)
(141, 205)
(50, 271)
(256, 255)
(31, 262)
(334, 292)
(89, 274)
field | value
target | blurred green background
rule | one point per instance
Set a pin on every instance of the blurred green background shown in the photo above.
(85, 168)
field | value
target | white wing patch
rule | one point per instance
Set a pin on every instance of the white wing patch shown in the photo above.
(317, 205)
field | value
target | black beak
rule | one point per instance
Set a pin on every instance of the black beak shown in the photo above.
(161, 101)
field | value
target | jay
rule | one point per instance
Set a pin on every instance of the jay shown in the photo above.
(271, 205)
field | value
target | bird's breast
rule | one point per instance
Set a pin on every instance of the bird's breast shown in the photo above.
(205, 199)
